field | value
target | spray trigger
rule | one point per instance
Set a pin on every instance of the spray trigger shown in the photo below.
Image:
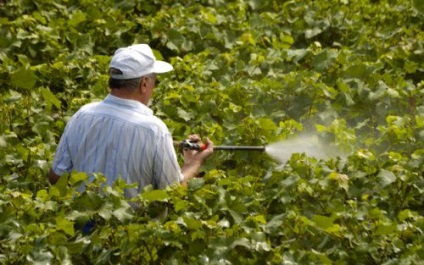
(187, 145)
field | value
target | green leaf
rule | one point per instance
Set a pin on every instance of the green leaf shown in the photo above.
(275, 222)
(267, 124)
(237, 217)
(24, 78)
(385, 229)
(3, 142)
(106, 211)
(181, 205)
(241, 242)
(88, 200)
(123, 214)
(50, 98)
(77, 18)
(197, 247)
(310, 33)
(287, 39)
(386, 177)
(355, 71)
(62, 184)
(234, 108)
(41, 128)
(297, 55)
(323, 222)
(175, 39)
(419, 5)
(406, 214)
(192, 223)
(43, 195)
(14, 96)
(341, 179)
(224, 223)
(184, 114)
(65, 225)
(77, 178)
(324, 259)
(40, 256)
(324, 60)
(260, 219)
(155, 195)
(195, 184)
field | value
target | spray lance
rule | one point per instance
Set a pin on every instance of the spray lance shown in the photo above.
(187, 145)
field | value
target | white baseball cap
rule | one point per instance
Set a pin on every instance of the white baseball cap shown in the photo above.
(136, 61)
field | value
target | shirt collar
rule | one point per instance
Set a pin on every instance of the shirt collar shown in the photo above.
(128, 103)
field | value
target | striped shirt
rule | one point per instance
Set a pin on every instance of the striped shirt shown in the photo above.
(119, 138)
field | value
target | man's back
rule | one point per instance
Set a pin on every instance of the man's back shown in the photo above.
(119, 138)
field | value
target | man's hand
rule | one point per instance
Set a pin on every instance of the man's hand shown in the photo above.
(188, 154)
(194, 159)
(53, 177)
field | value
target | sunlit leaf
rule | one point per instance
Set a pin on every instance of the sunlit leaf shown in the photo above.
(76, 18)
(77, 177)
(106, 211)
(323, 222)
(406, 214)
(155, 195)
(65, 225)
(122, 214)
(42, 195)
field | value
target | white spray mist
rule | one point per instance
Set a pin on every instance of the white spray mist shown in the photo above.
(308, 144)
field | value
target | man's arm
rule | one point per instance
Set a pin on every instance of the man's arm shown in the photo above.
(62, 160)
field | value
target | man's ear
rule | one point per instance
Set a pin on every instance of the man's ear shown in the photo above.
(143, 84)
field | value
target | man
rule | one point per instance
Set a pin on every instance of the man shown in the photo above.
(120, 136)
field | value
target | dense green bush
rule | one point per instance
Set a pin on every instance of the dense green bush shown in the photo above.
(247, 72)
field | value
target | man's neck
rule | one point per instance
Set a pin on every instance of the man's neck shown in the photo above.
(125, 94)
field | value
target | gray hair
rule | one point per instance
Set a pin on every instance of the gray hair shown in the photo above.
(130, 84)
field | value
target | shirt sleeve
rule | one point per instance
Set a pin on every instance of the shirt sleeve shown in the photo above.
(167, 171)
(62, 162)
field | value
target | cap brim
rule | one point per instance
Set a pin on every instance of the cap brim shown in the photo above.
(160, 67)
